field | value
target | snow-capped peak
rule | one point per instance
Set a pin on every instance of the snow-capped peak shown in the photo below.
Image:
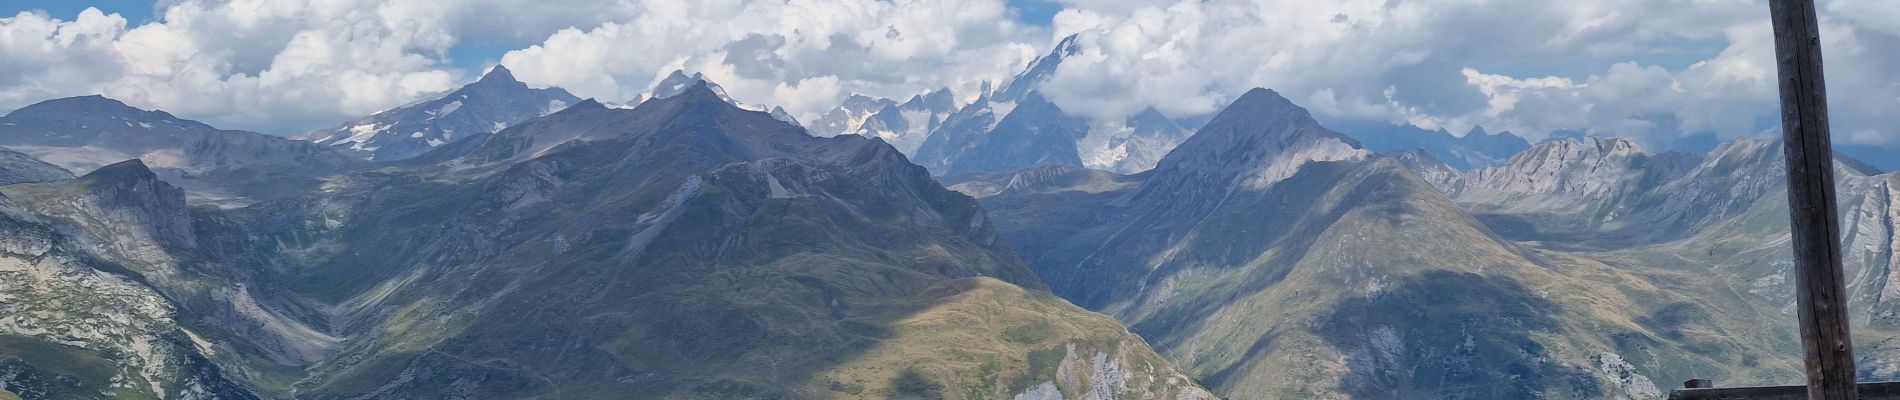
(678, 82)
(491, 103)
(1039, 70)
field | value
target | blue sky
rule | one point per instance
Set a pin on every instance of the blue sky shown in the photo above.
(135, 11)
(1658, 71)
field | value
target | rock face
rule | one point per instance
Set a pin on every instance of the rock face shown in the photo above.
(849, 117)
(1271, 257)
(81, 316)
(1442, 176)
(1602, 176)
(490, 104)
(219, 167)
(907, 125)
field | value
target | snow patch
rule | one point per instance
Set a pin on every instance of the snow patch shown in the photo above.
(671, 209)
(999, 109)
(362, 133)
(448, 108)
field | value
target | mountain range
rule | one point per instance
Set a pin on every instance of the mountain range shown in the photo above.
(529, 244)
(1271, 257)
(1008, 128)
(682, 248)
(1475, 149)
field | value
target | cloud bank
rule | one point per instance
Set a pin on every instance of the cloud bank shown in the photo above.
(1656, 70)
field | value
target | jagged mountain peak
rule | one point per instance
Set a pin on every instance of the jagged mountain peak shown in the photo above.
(850, 116)
(907, 125)
(1039, 70)
(586, 104)
(499, 78)
(865, 104)
(1579, 185)
(1150, 114)
(1260, 138)
(939, 99)
(495, 101)
(678, 82)
(1478, 148)
(1593, 146)
(499, 73)
(701, 91)
(687, 118)
(1435, 171)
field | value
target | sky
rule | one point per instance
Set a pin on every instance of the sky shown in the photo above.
(1654, 70)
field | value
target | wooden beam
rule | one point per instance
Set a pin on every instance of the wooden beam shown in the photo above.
(1820, 294)
(1868, 391)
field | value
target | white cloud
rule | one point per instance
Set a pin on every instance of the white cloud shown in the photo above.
(1601, 66)
(263, 64)
(1436, 63)
(774, 52)
(1732, 94)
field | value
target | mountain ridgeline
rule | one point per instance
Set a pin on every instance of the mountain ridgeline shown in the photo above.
(1271, 257)
(684, 248)
(214, 166)
(1007, 128)
(496, 101)
(502, 241)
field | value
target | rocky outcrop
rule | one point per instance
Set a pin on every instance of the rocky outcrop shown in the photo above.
(850, 116)
(1442, 176)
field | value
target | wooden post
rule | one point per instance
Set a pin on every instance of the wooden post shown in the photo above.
(1820, 294)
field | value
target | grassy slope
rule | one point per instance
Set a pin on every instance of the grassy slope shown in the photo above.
(803, 298)
(1374, 286)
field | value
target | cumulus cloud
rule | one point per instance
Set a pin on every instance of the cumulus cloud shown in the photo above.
(783, 53)
(1732, 94)
(1435, 63)
(1602, 66)
(260, 64)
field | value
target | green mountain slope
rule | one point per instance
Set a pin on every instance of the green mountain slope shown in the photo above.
(682, 249)
(1269, 260)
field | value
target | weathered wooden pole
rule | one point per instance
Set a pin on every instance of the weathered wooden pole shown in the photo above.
(1817, 249)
